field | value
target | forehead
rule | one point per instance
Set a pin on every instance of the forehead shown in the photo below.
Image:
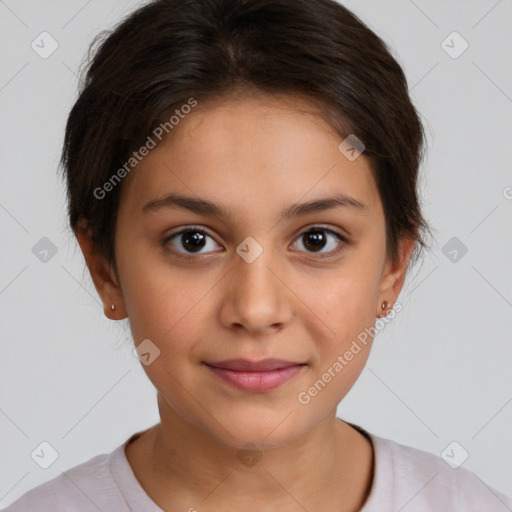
(251, 150)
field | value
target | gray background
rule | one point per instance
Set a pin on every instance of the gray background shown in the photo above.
(438, 373)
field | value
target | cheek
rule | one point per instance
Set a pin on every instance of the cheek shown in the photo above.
(165, 307)
(343, 337)
(174, 307)
(343, 300)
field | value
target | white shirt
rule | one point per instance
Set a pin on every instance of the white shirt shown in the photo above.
(405, 479)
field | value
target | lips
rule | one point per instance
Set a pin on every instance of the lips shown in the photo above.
(246, 365)
(255, 376)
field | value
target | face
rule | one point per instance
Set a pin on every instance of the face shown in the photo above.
(255, 276)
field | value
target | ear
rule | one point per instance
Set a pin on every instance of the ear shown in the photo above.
(394, 274)
(102, 276)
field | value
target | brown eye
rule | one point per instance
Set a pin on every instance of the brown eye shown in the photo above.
(316, 239)
(191, 241)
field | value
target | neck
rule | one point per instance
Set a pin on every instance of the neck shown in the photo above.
(180, 465)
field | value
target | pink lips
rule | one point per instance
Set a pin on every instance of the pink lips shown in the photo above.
(255, 376)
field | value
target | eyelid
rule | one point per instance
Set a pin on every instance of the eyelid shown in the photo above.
(188, 227)
(310, 227)
(200, 228)
(343, 241)
(326, 227)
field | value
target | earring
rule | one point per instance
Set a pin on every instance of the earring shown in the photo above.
(113, 307)
(385, 305)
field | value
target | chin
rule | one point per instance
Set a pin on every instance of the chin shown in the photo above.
(262, 429)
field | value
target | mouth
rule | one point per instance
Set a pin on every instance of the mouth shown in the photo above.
(256, 376)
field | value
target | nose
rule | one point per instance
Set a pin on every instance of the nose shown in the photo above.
(257, 297)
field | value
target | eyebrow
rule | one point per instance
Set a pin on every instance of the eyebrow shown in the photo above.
(205, 207)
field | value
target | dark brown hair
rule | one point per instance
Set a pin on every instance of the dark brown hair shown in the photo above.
(169, 51)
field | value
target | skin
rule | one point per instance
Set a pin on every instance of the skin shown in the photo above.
(257, 155)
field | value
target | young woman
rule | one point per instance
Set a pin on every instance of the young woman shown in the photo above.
(242, 181)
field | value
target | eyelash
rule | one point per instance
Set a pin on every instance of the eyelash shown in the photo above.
(197, 229)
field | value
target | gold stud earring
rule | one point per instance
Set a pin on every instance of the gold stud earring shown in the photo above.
(385, 305)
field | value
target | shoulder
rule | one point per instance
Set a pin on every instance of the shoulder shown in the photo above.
(86, 487)
(412, 479)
